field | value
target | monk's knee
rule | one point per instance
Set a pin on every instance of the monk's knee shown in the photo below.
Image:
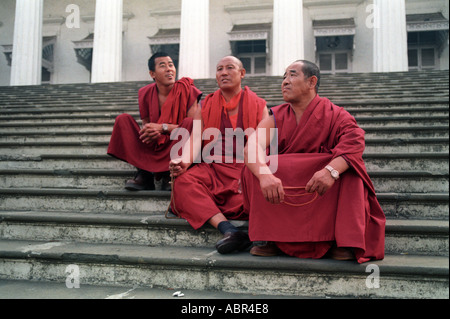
(121, 118)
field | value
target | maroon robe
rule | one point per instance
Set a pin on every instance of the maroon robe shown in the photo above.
(207, 189)
(154, 157)
(348, 213)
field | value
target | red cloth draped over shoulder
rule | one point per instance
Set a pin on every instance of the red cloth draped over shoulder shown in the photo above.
(174, 109)
(213, 187)
(349, 213)
(214, 105)
(125, 143)
(324, 128)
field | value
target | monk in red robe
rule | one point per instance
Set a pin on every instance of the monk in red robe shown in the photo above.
(164, 106)
(209, 192)
(314, 198)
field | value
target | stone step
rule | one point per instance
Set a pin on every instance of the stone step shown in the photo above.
(407, 132)
(347, 87)
(274, 97)
(398, 108)
(404, 276)
(60, 188)
(435, 163)
(100, 139)
(94, 129)
(42, 123)
(84, 200)
(409, 181)
(269, 92)
(37, 148)
(161, 297)
(431, 162)
(401, 121)
(407, 145)
(80, 105)
(414, 237)
(337, 85)
(351, 90)
(433, 206)
(92, 109)
(108, 179)
(383, 139)
(62, 161)
(52, 119)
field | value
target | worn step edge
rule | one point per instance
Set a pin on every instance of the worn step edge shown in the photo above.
(436, 106)
(436, 227)
(103, 114)
(67, 157)
(107, 131)
(84, 193)
(127, 172)
(110, 121)
(416, 237)
(434, 197)
(196, 268)
(52, 143)
(392, 265)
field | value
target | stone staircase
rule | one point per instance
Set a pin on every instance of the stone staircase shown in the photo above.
(62, 200)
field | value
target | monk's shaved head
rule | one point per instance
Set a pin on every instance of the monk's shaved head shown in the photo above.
(229, 74)
(233, 59)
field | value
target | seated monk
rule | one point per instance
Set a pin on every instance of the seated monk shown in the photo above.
(317, 199)
(164, 106)
(209, 192)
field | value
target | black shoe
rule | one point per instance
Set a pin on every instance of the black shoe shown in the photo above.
(143, 180)
(232, 241)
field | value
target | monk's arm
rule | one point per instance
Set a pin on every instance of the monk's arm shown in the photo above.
(193, 144)
(265, 113)
(151, 131)
(350, 138)
(322, 180)
(254, 153)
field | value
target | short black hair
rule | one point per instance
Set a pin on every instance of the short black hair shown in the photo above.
(151, 61)
(310, 69)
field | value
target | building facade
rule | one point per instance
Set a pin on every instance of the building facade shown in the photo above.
(80, 41)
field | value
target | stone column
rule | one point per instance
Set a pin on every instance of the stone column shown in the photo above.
(390, 37)
(288, 36)
(107, 52)
(26, 64)
(194, 39)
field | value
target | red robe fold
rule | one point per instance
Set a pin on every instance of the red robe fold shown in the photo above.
(207, 189)
(214, 106)
(155, 157)
(348, 214)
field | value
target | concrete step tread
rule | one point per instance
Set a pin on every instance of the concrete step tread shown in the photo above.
(207, 258)
(79, 138)
(127, 172)
(88, 157)
(28, 289)
(435, 196)
(108, 130)
(94, 129)
(157, 220)
(109, 119)
(89, 110)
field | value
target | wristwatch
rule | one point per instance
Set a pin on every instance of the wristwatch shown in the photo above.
(334, 173)
(165, 128)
